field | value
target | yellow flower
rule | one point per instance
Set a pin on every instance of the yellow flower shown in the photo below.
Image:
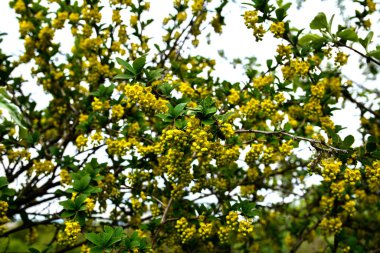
(81, 141)
(134, 20)
(277, 29)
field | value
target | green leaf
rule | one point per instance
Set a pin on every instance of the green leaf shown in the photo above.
(319, 22)
(365, 42)
(210, 110)
(348, 34)
(309, 38)
(281, 12)
(139, 64)
(166, 89)
(126, 65)
(106, 237)
(288, 127)
(79, 200)
(68, 205)
(67, 214)
(180, 123)
(82, 184)
(123, 77)
(375, 54)
(178, 110)
(3, 182)
(11, 108)
(153, 75)
(348, 141)
(94, 238)
(164, 117)
(135, 244)
(207, 121)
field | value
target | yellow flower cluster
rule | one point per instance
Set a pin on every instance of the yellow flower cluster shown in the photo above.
(232, 220)
(373, 175)
(20, 6)
(186, 89)
(295, 67)
(254, 153)
(119, 147)
(331, 225)
(201, 144)
(116, 17)
(234, 97)
(143, 96)
(284, 51)
(245, 228)
(74, 17)
(117, 111)
(262, 81)
(349, 207)
(337, 188)
(81, 141)
(155, 210)
(227, 130)
(85, 249)
(327, 203)
(286, 147)
(45, 36)
(89, 14)
(96, 137)
(252, 107)
(318, 90)
(330, 169)
(136, 204)
(59, 22)
(90, 205)
(181, 16)
(14, 154)
(98, 105)
(313, 109)
(185, 230)
(227, 155)
(25, 27)
(216, 23)
(327, 123)
(371, 6)
(251, 19)
(341, 58)
(205, 230)
(223, 234)
(3, 212)
(40, 167)
(197, 6)
(268, 155)
(72, 231)
(65, 177)
(352, 176)
(277, 28)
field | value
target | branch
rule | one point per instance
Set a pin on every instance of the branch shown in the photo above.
(359, 53)
(317, 144)
(361, 106)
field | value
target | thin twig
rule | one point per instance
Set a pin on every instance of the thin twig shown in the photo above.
(359, 53)
(315, 143)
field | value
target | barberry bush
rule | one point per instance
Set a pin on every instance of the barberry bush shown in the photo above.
(142, 147)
